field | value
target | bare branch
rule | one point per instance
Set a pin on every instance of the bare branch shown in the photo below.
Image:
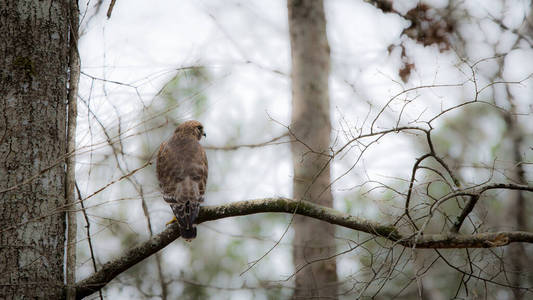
(474, 197)
(410, 191)
(468, 208)
(88, 229)
(110, 9)
(272, 141)
(283, 205)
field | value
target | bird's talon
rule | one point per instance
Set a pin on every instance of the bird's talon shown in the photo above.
(174, 220)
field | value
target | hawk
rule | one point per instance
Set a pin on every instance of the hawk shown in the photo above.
(182, 174)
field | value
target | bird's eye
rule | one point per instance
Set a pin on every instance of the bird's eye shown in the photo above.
(201, 129)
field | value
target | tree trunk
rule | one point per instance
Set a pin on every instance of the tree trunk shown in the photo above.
(515, 216)
(310, 126)
(517, 256)
(34, 45)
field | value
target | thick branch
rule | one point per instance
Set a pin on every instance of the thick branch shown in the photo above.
(283, 205)
(480, 240)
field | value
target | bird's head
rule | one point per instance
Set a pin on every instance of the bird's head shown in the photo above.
(191, 128)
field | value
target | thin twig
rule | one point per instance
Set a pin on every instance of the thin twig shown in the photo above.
(235, 147)
(88, 229)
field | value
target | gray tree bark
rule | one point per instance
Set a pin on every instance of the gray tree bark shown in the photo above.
(34, 47)
(310, 126)
(515, 209)
(70, 181)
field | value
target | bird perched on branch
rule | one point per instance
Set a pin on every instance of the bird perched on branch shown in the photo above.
(182, 174)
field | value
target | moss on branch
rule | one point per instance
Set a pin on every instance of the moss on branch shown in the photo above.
(284, 205)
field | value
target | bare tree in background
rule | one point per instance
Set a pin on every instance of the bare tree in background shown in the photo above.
(35, 39)
(311, 128)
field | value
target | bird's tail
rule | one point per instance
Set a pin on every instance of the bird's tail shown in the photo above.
(186, 214)
(188, 233)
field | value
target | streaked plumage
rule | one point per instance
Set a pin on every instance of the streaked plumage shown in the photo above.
(182, 173)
